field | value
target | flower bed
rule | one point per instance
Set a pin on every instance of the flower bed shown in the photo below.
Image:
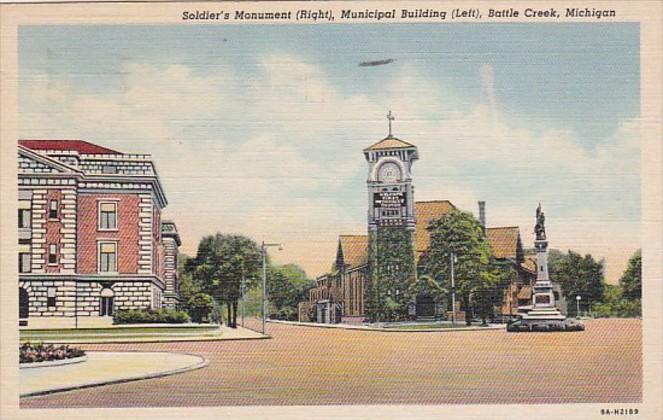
(38, 352)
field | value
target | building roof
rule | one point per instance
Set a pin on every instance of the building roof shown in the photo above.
(80, 146)
(354, 249)
(504, 241)
(389, 142)
(426, 212)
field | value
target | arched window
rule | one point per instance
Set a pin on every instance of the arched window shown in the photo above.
(106, 304)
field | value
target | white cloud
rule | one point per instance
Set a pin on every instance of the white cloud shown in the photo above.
(269, 157)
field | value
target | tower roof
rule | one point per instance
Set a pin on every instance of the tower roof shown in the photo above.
(390, 142)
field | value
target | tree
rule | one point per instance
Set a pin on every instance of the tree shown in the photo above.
(631, 280)
(221, 263)
(287, 285)
(578, 276)
(459, 232)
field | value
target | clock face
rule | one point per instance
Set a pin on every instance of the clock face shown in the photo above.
(389, 172)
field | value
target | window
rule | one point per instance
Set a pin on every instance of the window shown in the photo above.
(24, 216)
(52, 254)
(53, 209)
(24, 262)
(107, 216)
(50, 296)
(108, 257)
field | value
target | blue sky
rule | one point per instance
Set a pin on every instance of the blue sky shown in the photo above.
(259, 129)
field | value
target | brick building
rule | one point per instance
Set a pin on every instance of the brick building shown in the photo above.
(91, 238)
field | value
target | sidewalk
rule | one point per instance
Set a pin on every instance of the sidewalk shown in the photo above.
(102, 368)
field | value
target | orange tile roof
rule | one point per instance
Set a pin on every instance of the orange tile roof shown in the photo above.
(354, 248)
(503, 241)
(390, 142)
(426, 212)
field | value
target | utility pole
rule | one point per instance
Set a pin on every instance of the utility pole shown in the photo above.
(453, 289)
(243, 287)
(263, 248)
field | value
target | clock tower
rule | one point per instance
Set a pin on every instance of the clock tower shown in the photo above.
(391, 224)
(390, 191)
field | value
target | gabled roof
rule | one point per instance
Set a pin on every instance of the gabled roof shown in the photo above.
(389, 142)
(80, 146)
(529, 264)
(504, 241)
(426, 212)
(354, 249)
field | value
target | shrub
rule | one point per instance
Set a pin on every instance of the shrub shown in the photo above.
(151, 316)
(38, 352)
(200, 306)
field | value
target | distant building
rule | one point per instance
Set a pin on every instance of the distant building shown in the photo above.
(91, 238)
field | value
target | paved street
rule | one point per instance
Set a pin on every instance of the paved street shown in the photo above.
(302, 365)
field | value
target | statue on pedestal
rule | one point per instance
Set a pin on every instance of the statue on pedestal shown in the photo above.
(540, 228)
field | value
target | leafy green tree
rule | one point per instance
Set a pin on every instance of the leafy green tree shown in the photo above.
(578, 275)
(631, 280)
(614, 304)
(219, 266)
(461, 233)
(287, 285)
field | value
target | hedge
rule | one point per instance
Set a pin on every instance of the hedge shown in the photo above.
(151, 316)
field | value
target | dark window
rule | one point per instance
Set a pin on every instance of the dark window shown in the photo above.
(52, 254)
(50, 296)
(23, 303)
(24, 216)
(53, 209)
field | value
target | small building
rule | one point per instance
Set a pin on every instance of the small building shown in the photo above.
(90, 236)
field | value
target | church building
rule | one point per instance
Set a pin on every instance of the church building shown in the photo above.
(395, 218)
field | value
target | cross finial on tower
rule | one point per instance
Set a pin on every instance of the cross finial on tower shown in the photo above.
(390, 117)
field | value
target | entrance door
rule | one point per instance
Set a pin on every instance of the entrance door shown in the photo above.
(425, 305)
(23, 303)
(106, 306)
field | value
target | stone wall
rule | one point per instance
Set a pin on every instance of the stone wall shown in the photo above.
(132, 295)
(87, 299)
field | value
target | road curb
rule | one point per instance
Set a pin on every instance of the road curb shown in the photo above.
(53, 363)
(201, 364)
(388, 330)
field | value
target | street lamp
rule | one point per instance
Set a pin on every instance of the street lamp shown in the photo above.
(578, 306)
(453, 259)
(263, 249)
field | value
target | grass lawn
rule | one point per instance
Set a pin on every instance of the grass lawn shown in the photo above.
(117, 332)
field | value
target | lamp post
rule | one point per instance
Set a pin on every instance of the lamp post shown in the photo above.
(263, 248)
(243, 291)
(578, 306)
(453, 259)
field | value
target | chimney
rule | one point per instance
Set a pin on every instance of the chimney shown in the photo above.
(482, 214)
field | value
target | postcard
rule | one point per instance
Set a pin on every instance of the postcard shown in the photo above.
(331, 209)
